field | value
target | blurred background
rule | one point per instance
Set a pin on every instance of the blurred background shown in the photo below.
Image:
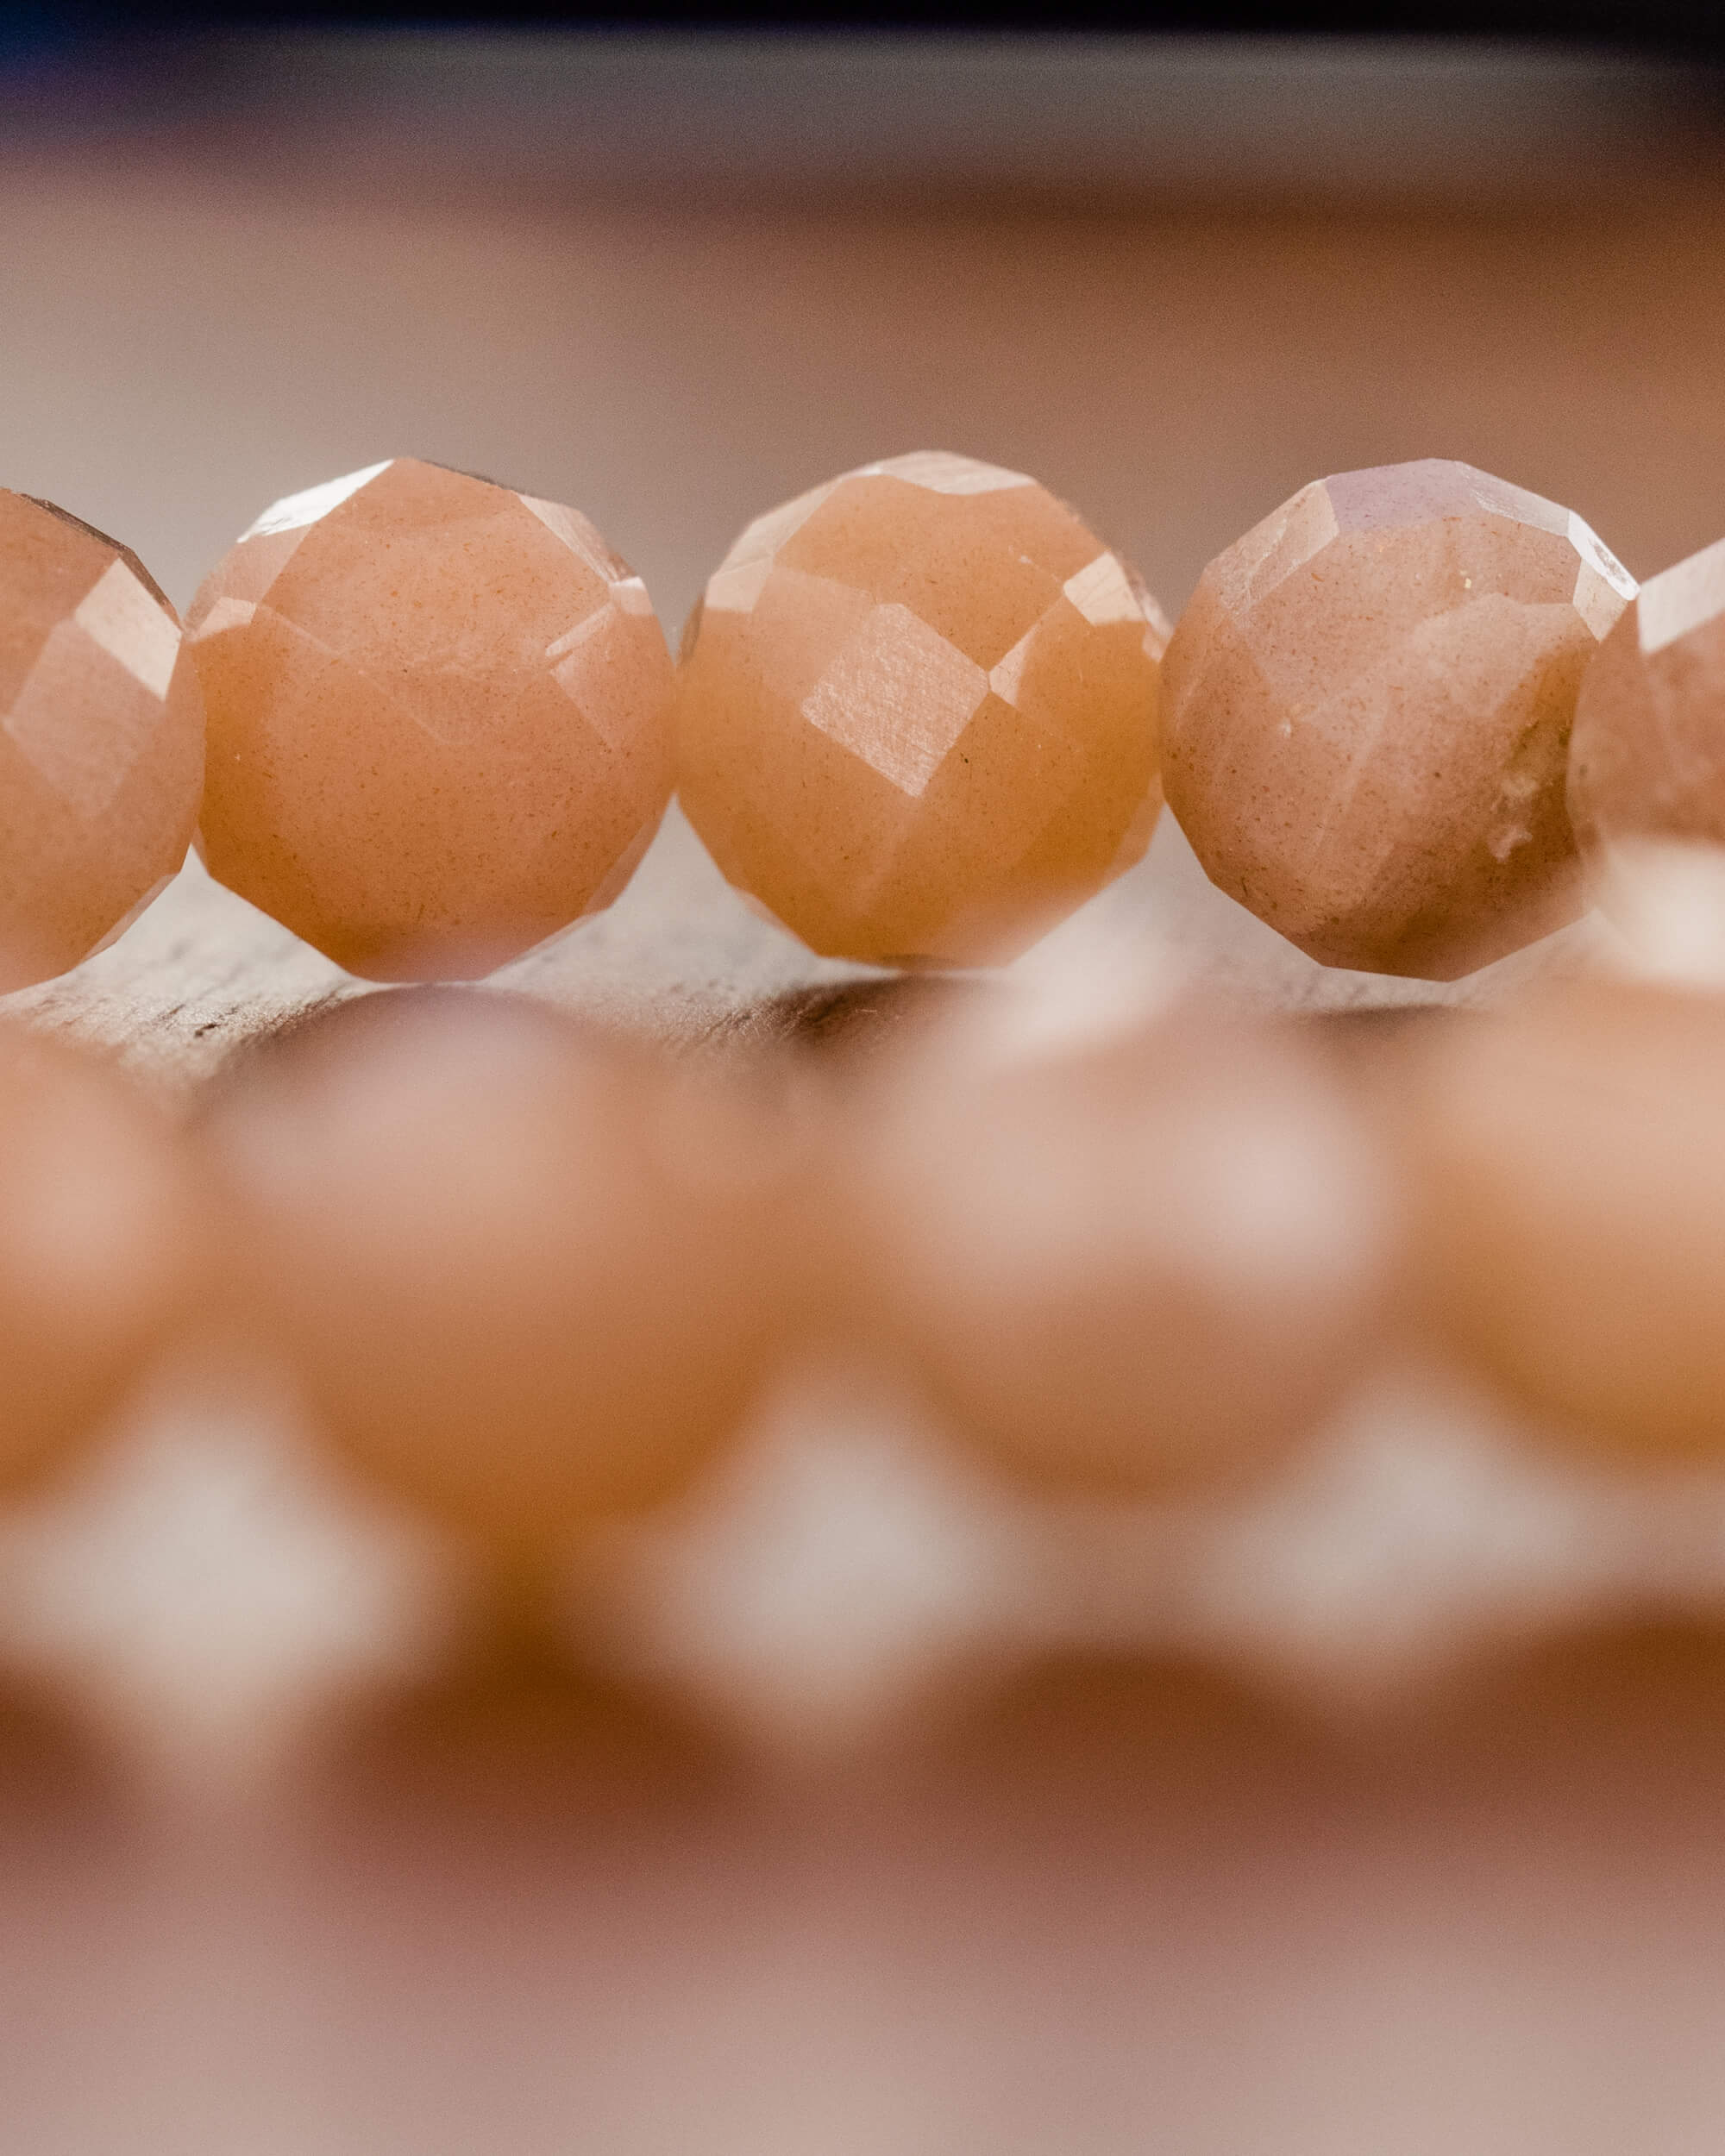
(1128, 1893)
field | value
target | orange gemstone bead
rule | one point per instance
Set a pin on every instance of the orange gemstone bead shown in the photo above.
(917, 713)
(439, 719)
(1152, 1262)
(101, 740)
(102, 1244)
(1570, 1159)
(526, 1274)
(1368, 709)
(1648, 757)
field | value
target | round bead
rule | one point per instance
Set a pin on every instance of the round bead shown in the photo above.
(101, 1244)
(439, 724)
(101, 740)
(524, 1274)
(1648, 760)
(917, 713)
(1570, 1161)
(1367, 714)
(1151, 1264)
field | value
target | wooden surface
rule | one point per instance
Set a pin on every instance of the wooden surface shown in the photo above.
(957, 1825)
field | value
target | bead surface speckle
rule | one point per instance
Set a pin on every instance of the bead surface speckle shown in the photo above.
(917, 713)
(1367, 712)
(1648, 756)
(101, 740)
(439, 723)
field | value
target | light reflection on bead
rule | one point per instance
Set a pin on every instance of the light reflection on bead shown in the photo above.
(917, 713)
(101, 740)
(1647, 761)
(439, 719)
(1367, 713)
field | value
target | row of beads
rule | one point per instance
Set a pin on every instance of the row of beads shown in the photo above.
(525, 1274)
(921, 712)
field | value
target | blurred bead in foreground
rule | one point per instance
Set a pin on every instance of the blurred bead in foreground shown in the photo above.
(101, 1244)
(1570, 1162)
(1367, 712)
(1152, 1262)
(524, 1274)
(1665, 899)
(101, 740)
(916, 713)
(439, 719)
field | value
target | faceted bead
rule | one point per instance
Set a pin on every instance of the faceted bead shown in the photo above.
(1367, 715)
(1570, 1164)
(917, 713)
(101, 740)
(1149, 1263)
(101, 1245)
(1648, 757)
(439, 726)
(524, 1274)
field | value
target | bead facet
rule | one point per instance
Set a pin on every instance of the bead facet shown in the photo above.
(101, 740)
(439, 726)
(917, 713)
(1367, 715)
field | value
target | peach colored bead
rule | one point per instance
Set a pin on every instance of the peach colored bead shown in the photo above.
(101, 740)
(1570, 1159)
(439, 719)
(1367, 712)
(524, 1273)
(1154, 1262)
(917, 713)
(101, 1245)
(1648, 760)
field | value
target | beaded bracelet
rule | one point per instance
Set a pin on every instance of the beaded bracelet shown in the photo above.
(916, 718)
(527, 1274)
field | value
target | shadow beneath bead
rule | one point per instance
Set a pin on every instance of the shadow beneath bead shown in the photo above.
(1639, 1702)
(1160, 1729)
(270, 1039)
(1362, 1040)
(1373, 1022)
(62, 1790)
(1372, 1053)
(512, 1746)
(850, 1020)
(369, 1007)
(1628, 1716)
(859, 1019)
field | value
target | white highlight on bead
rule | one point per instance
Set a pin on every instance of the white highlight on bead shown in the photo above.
(1103, 594)
(1680, 599)
(226, 613)
(898, 695)
(294, 512)
(120, 615)
(942, 472)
